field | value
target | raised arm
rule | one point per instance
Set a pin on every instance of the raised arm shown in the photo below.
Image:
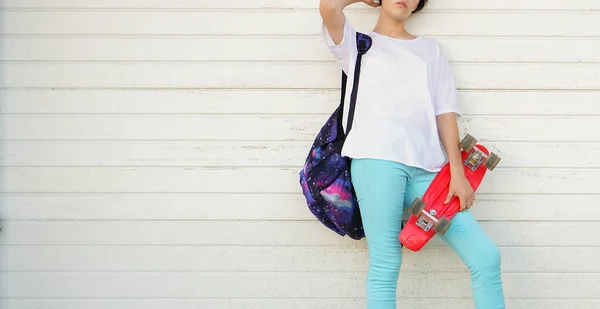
(334, 18)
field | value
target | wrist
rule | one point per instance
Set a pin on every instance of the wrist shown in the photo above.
(456, 169)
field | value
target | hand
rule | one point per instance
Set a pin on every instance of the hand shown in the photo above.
(460, 187)
(371, 3)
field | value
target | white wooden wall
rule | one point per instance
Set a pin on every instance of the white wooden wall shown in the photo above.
(150, 151)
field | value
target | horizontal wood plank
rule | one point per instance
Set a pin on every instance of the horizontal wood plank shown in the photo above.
(288, 303)
(291, 22)
(276, 259)
(457, 49)
(273, 75)
(291, 4)
(271, 207)
(90, 132)
(273, 128)
(252, 154)
(263, 180)
(278, 285)
(267, 233)
(268, 102)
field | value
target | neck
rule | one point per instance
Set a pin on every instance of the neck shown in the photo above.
(391, 27)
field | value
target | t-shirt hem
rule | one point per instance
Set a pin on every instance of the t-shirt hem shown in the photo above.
(404, 162)
(456, 111)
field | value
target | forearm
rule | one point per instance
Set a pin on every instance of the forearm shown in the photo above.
(449, 135)
(334, 18)
(336, 4)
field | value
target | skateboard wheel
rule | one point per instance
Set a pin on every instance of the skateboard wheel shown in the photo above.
(491, 161)
(417, 207)
(442, 225)
(468, 143)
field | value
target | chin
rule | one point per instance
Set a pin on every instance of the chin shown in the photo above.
(399, 14)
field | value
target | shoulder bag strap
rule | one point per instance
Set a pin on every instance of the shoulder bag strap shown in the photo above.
(363, 44)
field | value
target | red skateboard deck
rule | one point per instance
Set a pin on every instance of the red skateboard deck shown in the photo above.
(429, 215)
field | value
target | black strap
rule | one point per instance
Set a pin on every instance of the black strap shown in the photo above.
(363, 44)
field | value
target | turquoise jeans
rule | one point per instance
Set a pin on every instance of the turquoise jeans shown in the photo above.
(384, 189)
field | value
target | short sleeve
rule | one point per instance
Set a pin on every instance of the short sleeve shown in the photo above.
(446, 97)
(344, 51)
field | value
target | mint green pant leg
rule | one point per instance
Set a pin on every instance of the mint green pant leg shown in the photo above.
(380, 188)
(481, 255)
(466, 237)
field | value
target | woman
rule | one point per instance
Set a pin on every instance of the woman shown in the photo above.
(404, 131)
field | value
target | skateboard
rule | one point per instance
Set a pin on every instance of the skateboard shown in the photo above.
(429, 215)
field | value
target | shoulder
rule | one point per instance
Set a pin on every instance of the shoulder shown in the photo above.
(428, 40)
(431, 44)
(435, 48)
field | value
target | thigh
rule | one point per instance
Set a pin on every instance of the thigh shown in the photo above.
(417, 185)
(380, 187)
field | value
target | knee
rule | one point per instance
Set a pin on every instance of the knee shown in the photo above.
(487, 259)
(386, 267)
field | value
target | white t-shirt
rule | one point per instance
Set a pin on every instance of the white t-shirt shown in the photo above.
(404, 84)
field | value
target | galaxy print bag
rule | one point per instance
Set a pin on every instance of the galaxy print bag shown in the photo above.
(325, 178)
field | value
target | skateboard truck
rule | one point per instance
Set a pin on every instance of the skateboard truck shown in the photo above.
(476, 157)
(426, 220)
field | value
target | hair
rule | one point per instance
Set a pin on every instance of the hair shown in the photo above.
(420, 6)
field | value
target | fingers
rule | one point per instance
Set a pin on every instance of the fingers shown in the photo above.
(449, 197)
(466, 199)
(469, 200)
(460, 197)
(371, 3)
(463, 203)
